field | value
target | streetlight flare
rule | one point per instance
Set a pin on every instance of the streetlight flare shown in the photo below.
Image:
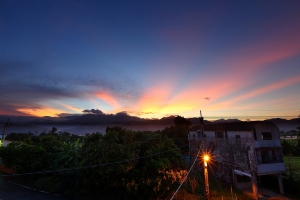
(206, 158)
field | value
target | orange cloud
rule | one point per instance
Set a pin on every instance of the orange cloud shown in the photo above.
(40, 112)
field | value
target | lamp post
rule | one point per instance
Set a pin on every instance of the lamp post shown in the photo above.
(205, 160)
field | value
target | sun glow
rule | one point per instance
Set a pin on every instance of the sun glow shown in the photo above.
(40, 112)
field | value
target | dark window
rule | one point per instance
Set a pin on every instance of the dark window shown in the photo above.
(238, 141)
(226, 135)
(265, 156)
(271, 156)
(219, 135)
(266, 136)
(254, 132)
(199, 134)
(274, 157)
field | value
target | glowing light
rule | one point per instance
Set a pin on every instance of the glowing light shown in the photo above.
(206, 159)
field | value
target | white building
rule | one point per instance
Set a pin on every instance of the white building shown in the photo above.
(241, 149)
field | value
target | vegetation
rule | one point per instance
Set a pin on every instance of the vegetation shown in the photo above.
(291, 147)
(179, 133)
(291, 178)
(129, 162)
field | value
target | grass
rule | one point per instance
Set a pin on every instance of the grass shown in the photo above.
(293, 161)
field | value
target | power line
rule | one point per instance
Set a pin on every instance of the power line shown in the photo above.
(216, 180)
(186, 175)
(92, 166)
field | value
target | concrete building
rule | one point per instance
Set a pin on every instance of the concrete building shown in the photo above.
(242, 151)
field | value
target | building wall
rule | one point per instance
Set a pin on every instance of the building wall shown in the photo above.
(229, 152)
(267, 127)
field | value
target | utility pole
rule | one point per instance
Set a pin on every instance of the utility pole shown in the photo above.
(201, 122)
(205, 159)
(3, 134)
(202, 132)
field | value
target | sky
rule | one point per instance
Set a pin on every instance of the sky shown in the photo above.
(151, 59)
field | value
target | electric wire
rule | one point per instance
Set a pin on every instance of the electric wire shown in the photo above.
(92, 166)
(216, 180)
(186, 175)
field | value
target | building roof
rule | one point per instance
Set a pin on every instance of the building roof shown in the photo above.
(234, 126)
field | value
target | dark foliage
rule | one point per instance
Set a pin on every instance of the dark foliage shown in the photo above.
(100, 164)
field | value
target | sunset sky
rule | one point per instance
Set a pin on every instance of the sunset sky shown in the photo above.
(231, 59)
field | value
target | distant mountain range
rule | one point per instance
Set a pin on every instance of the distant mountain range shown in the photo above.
(124, 118)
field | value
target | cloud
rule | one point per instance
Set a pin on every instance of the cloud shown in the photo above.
(40, 86)
(250, 94)
(108, 98)
(93, 111)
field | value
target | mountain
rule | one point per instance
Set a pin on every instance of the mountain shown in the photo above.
(124, 118)
(284, 124)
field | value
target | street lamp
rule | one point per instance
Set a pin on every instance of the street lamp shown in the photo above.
(205, 160)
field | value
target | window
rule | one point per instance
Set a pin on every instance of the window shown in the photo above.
(199, 134)
(219, 135)
(254, 132)
(273, 155)
(265, 156)
(238, 141)
(266, 136)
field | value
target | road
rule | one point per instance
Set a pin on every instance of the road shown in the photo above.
(9, 191)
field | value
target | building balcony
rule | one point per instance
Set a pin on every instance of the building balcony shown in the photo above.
(267, 143)
(270, 168)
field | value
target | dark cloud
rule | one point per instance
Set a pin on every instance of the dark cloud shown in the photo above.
(123, 113)
(34, 78)
(68, 115)
(93, 111)
(35, 83)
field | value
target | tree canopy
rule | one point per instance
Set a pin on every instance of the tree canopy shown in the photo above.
(134, 163)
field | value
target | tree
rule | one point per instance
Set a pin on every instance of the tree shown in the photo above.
(54, 129)
(181, 121)
(136, 164)
(298, 139)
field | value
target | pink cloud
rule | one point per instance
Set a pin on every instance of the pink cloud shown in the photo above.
(259, 91)
(108, 98)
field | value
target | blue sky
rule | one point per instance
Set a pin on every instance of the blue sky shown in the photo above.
(150, 58)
